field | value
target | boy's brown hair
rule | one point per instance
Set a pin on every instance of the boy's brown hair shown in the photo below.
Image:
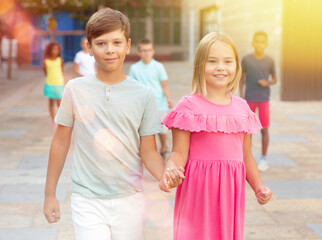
(144, 41)
(107, 20)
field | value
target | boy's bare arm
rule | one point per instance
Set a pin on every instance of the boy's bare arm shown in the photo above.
(267, 83)
(274, 79)
(57, 156)
(76, 70)
(150, 156)
(166, 91)
(242, 85)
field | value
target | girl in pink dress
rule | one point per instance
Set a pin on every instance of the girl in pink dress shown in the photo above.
(211, 138)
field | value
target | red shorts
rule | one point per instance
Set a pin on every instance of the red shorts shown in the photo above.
(263, 111)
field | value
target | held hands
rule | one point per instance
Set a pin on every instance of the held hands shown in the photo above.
(51, 209)
(172, 177)
(263, 194)
(263, 82)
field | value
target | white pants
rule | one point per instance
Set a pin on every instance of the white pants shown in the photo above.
(108, 219)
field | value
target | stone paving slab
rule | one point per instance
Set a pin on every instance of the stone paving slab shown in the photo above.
(30, 176)
(36, 162)
(309, 118)
(277, 159)
(319, 128)
(317, 228)
(14, 133)
(297, 189)
(26, 110)
(28, 233)
(287, 138)
(29, 193)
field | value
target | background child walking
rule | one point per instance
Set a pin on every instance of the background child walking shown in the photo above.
(211, 137)
(257, 68)
(153, 74)
(54, 86)
(84, 64)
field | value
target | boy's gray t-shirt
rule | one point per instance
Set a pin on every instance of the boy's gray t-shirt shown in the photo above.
(107, 122)
(256, 69)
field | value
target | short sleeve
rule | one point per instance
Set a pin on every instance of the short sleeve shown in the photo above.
(239, 118)
(180, 117)
(77, 58)
(244, 65)
(150, 124)
(162, 73)
(65, 113)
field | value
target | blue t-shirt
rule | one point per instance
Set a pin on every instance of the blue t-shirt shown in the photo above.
(151, 75)
(256, 69)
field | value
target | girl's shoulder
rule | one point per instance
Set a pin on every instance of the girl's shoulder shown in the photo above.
(196, 114)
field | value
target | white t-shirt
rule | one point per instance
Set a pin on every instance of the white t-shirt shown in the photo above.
(107, 122)
(86, 63)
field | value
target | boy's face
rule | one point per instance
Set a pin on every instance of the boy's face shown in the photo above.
(110, 50)
(259, 43)
(146, 52)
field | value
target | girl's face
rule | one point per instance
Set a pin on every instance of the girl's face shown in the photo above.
(54, 51)
(221, 66)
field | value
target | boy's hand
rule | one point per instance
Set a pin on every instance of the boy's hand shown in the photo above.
(263, 194)
(263, 82)
(51, 209)
(172, 177)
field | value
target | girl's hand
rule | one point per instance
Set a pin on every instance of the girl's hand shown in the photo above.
(172, 177)
(263, 194)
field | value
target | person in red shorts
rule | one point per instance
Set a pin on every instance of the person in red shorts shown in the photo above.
(257, 77)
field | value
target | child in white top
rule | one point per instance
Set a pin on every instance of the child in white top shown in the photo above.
(84, 64)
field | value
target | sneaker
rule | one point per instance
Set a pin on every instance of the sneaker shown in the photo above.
(262, 166)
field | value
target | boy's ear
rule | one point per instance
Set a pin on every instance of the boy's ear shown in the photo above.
(89, 47)
(129, 46)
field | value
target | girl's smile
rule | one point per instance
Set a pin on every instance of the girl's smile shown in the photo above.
(221, 65)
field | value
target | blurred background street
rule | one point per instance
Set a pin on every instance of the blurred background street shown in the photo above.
(295, 175)
(175, 27)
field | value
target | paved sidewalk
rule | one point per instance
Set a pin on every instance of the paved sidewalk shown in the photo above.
(295, 174)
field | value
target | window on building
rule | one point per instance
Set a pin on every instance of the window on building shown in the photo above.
(137, 17)
(166, 25)
(208, 20)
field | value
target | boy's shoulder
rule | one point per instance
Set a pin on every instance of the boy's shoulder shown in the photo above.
(157, 63)
(136, 85)
(79, 81)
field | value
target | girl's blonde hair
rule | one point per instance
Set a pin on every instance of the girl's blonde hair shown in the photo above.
(201, 57)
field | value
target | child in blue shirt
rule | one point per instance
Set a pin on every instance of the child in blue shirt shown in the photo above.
(153, 74)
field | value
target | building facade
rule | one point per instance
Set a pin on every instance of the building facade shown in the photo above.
(294, 37)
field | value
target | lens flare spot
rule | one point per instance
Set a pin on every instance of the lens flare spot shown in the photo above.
(24, 32)
(85, 114)
(107, 144)
(6, 6)
(160, 212)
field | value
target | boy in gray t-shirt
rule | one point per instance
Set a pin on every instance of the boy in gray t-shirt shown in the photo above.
(257, 69)
(114, 119)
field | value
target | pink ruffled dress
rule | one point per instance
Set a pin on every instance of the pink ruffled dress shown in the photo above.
(210, 203)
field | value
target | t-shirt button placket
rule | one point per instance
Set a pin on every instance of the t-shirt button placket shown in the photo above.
(108, 94)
